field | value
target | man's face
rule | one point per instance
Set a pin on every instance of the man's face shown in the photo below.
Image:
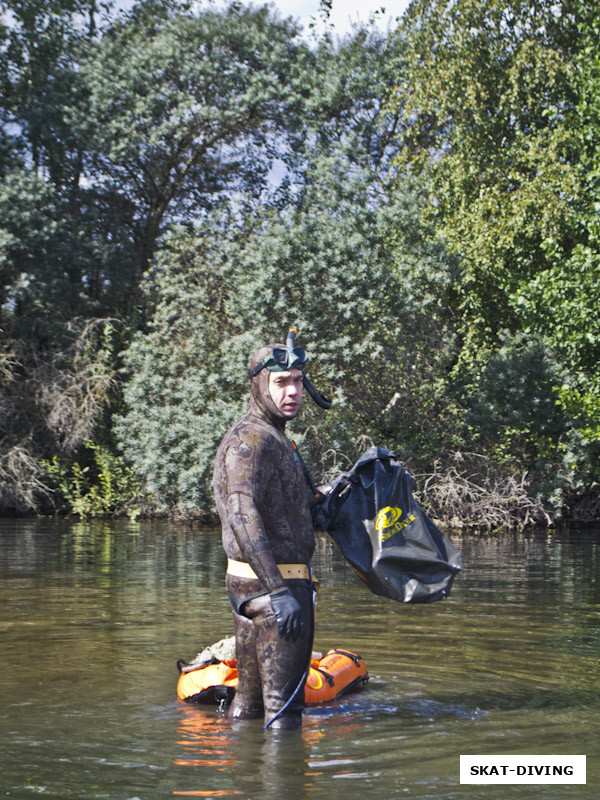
(285, 389)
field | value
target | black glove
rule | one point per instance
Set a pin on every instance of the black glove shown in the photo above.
(289, 615)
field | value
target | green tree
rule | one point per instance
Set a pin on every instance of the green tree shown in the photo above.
(325, 264)
(59, 242)
(562, 301)
(39, 46)
(493, 122)
(113, 129)
(488, 101)
(319, 254)
(120, 129)
(186, 108)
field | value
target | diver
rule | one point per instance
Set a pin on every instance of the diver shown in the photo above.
(264, 506)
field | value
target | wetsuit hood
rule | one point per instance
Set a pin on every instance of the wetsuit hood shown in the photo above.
(261, 403)
(279, 357)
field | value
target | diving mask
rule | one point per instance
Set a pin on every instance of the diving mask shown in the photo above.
(282, 359)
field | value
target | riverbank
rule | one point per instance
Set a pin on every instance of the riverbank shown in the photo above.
(467, 494)
(475, 518)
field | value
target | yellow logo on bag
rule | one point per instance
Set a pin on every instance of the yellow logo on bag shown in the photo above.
(388, 521)
(386, 517)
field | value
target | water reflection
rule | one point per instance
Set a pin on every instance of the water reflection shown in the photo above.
(257, 763)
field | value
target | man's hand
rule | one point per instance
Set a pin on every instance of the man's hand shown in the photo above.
(289, 615)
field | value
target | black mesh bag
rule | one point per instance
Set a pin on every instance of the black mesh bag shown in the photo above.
(385, 535)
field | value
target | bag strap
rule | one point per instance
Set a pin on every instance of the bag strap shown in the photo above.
(329, 678)
(352, 656)
(307, 476)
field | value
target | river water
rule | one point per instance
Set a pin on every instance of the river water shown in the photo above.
(94, 615)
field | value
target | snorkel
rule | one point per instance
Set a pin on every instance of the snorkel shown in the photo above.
(282, 359)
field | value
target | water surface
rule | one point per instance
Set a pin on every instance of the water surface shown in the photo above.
(93, 617)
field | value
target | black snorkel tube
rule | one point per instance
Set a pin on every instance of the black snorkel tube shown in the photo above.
(324, 402)
(319, 399)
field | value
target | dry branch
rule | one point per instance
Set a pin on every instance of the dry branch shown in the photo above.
(473, 492)
(50, 402)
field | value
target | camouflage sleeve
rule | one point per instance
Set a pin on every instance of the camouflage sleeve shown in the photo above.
(249, 468)
(249, 532)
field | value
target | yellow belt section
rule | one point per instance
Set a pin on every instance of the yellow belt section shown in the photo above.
(241, 569)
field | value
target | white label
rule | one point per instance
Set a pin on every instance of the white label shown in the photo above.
(522, 769)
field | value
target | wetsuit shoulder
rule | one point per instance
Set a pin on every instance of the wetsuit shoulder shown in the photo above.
(251, 452)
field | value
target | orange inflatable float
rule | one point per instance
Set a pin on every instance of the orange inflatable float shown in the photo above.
(338, 672)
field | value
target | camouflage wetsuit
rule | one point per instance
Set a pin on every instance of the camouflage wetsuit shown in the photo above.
(263, 505)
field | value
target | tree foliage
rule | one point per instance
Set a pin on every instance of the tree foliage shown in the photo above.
(489, 106)
(317, 255)
(184, 109)
(178, 183)
(493, 122)
(113, 129)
